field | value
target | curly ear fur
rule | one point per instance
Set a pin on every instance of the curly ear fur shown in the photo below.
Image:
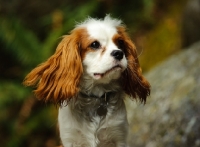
(133, 81)
(58, 78)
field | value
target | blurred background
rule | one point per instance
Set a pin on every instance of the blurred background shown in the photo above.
(29, 34)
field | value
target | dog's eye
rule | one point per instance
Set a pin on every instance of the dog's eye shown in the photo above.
(95, 45)
(121, 44)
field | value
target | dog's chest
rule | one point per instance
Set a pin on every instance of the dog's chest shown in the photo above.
(82, 119)
(91, 107)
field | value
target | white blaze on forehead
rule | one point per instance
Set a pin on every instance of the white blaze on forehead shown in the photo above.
(101, 28)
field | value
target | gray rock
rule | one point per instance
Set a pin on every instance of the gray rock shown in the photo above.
(171, 116)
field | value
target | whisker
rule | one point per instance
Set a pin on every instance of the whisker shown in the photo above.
(140, 53)
(129, 61)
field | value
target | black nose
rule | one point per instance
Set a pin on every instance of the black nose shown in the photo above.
(117, 54)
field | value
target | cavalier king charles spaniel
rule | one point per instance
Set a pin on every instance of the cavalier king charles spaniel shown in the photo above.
(91, 72)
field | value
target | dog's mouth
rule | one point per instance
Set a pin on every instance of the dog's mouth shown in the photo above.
(113, 69)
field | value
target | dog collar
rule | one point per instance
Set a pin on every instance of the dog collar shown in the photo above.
(104, 99)
(102, 109)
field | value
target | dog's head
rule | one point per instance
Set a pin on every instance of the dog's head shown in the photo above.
(100, 49)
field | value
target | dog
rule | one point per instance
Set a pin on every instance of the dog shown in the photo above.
(91, 72)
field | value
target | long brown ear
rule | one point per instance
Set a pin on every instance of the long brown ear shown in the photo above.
(58, 78)
(134, 83)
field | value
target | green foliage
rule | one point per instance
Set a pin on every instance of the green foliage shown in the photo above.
(18, 41)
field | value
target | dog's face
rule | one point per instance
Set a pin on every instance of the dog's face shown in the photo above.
(98, 49)
(105, 59)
